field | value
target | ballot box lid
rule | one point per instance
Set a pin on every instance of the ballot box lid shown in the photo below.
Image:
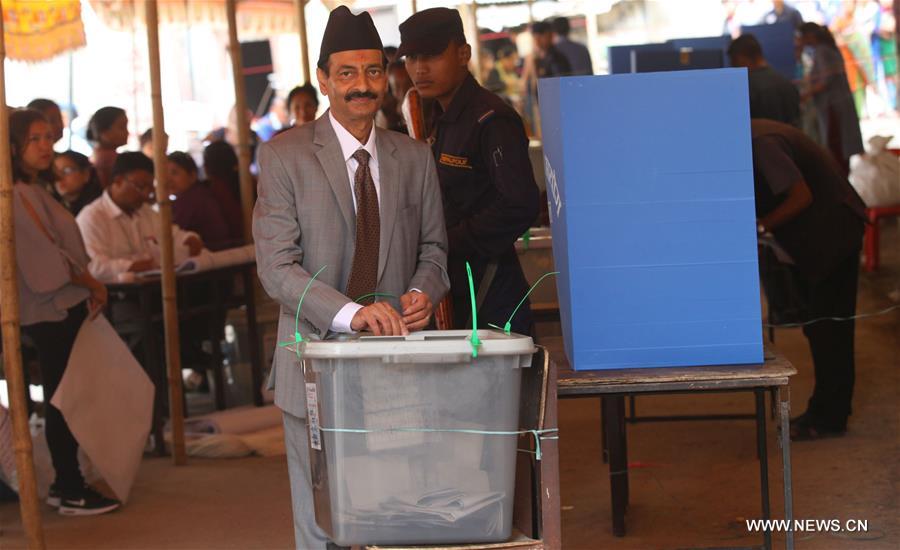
(424, 346)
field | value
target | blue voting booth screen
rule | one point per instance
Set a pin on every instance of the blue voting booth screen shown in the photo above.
(777, 42)
(650, 185)
(622, 58)
(720, 42)
(658, 61)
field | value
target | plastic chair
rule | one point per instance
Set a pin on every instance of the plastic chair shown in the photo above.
(872, 237)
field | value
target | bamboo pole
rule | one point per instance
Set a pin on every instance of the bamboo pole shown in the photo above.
(243, 125)
(29, 506)
(304, 42)
(415, 6)
(476, 39)
(167, 256)
(443, 312)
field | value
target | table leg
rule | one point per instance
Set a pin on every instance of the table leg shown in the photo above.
(763, 459)
(613, 407)
(784, 401)
(214, 333)
(773, 403)
(253, 337)
(604, 448)
(156, 368)
(624, 428)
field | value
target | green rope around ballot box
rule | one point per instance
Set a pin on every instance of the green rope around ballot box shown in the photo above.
(548, 433)
(506, 328)
(476, 343)
(298, 338)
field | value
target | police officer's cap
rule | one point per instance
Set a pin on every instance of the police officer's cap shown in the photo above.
(428, 32)
(346, 31)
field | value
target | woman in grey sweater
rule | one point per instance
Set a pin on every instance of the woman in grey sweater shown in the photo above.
(56, 295)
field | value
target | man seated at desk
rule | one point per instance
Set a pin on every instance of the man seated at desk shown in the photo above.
(120, 231)
(120, 228)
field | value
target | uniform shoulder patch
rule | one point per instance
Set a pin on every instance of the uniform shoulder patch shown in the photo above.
(486, 116)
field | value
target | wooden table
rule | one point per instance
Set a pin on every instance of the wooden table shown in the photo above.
(612, 386)
(146, 293)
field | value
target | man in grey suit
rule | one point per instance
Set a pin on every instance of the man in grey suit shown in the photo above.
(360, 201)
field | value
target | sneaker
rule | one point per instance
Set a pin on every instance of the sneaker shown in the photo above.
(87, 502)
(54, 497)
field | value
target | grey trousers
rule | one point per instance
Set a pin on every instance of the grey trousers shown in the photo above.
(307, 534)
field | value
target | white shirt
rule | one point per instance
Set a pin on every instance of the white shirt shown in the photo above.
(114, 240)
(349, 146)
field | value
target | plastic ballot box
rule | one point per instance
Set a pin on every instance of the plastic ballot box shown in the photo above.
(412, 438)
(650, 185)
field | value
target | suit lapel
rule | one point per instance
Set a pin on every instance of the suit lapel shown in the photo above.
(389, 189)
(331, 158)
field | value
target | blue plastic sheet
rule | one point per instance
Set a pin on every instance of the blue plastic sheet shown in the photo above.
(650, 185)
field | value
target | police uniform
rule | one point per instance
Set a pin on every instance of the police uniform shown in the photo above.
(490, 197)
(490, 200)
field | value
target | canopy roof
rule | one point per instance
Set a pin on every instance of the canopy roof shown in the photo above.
(38, 30)
(254, 17)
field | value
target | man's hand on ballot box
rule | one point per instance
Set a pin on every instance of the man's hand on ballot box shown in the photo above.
(381, 319)
(417, 309)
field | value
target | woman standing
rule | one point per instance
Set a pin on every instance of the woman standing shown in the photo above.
(830, 92)
(56, 295)
(107, 131)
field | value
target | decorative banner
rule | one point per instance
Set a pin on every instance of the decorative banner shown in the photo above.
(36, 30)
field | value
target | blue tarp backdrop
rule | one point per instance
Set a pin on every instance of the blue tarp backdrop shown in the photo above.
(650, 183)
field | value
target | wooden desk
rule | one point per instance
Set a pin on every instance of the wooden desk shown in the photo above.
(146, 293)
(613, 385)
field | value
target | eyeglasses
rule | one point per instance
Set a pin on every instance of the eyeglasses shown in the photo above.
(143, 188)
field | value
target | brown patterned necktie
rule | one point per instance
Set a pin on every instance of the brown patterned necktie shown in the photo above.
(364, 273)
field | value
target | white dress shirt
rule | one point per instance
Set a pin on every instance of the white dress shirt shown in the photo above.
(349, 146)
(114, 240)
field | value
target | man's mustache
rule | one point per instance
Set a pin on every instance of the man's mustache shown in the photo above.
(360, 95)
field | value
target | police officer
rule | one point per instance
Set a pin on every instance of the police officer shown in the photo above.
(481, 151)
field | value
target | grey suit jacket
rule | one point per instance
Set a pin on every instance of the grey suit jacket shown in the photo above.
(304, 220)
